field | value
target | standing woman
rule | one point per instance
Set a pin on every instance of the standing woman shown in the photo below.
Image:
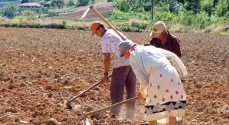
(159, 72)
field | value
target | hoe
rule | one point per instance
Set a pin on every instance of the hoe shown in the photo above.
(69, 105)
(85, 115)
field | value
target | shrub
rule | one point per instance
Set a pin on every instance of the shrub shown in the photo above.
(10, 10)
(161, 7)
(207, 7)
(65, 24)
(52, 13)
(70, 3)
(165, 16)
(200, 20)
(193, 5)
(83, 2)
(118, 16)
(29, 15)
(57, 3)
(139, 26)
(222, 7)
(122, 5)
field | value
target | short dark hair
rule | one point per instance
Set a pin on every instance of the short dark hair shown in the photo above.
(101, 25)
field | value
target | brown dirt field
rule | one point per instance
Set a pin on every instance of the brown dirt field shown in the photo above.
(40, 69)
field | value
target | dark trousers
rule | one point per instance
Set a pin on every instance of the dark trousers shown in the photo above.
(123, 77)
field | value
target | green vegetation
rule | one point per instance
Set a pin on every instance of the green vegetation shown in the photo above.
(70, 3)
(57, 3)
(180, 16)
(83, 2)
(135, 15)
(10, 10)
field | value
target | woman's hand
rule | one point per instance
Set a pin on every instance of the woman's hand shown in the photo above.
(105, 78)
(140, 96)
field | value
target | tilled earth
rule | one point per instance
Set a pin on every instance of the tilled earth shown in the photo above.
(41, 69)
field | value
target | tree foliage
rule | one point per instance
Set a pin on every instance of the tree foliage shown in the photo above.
(70, 3)
(24, 1)
(193, 5)
(10, 10)
(215, 2)
(222, 7)
(30, 15)
(146, 5)
(122, 5)
(133, 5)
(208, 7)
(57, 3)
(83, 2)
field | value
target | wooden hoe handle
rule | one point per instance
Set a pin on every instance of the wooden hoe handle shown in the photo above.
(73, 98)
(85, 115)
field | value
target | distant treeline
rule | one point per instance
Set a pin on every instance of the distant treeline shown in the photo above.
(5, 2)
(9, 0)
(179, 15)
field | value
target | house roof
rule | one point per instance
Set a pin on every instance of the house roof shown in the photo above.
(30, 4)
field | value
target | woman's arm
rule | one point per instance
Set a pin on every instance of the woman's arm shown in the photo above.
(140, 76)
(175, 61)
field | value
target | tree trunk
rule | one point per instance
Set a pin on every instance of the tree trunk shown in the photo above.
(152, 9)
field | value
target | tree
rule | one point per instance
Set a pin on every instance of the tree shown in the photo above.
(70, 3)
(24, 1)
(152, 2)
(29, 14)
(122, 5)
(193, 5)
(207, 7)
(133, 5)
(222, 7)
(215, 2)
(174, 6)
(83, 2)
(10, 10)
(180, 1)
(57, 3)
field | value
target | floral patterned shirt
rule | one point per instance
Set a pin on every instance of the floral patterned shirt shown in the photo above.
(109, 43)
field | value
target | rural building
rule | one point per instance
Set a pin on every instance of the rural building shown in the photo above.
(35, 7)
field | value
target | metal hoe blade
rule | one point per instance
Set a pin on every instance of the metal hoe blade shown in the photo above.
(103, 19)
(83, 121)
(85, 13)
(86, 121)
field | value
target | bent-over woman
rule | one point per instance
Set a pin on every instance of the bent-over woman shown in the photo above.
(159, 72)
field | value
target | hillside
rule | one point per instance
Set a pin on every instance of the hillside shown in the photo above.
(104, 9)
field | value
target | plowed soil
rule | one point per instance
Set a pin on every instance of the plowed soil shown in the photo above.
(41, 69)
